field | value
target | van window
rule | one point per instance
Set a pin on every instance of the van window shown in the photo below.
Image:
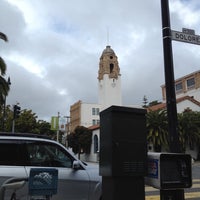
(47, 155)
(10, 153)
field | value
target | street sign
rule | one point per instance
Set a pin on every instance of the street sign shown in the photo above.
(187, 35)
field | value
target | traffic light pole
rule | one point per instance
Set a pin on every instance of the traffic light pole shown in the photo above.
(170, 97)
(16, 113)
(13, 126)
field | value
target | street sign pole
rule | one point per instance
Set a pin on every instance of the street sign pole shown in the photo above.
(169, 79)
(171, 97)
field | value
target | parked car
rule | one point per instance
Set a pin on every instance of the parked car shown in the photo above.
(19, 153)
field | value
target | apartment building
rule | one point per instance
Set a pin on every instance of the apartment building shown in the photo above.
(188, 85)
(84, 114)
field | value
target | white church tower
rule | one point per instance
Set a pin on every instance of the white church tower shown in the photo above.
(109, 79)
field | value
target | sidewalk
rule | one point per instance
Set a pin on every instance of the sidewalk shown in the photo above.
(188, 196)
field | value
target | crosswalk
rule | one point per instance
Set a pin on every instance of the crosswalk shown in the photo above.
(192, 193)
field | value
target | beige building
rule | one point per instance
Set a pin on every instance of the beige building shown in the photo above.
(188, 85)
(84, 114)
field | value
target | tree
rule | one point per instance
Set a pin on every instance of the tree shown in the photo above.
(8, 121)
(157, 129)
(80, 140)
(44, 128)
(3, 37)
(189, 128)
(153, 103)
(145, 102)
(27, 122)
(4, 85)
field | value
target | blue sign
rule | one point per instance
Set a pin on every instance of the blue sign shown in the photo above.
(43, 181)
(152, 168)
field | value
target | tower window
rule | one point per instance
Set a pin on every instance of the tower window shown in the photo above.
(111, 57)
(111, 68)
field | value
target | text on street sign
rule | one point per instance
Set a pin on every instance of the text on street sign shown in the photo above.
(187, 35)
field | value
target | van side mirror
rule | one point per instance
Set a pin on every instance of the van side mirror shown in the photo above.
(76, 165)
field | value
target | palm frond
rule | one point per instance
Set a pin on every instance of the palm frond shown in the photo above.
(3, 37)
(2, 66)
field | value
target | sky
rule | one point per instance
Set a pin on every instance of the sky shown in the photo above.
(54, 48)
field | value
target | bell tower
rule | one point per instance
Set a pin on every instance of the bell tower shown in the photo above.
(109, 77)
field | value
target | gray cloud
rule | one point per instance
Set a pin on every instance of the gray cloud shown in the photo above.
(54, 49)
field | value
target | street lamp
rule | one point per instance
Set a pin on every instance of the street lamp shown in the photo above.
(4, 106)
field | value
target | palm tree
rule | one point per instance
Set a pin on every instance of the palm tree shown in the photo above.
(157, 129)
(4, 85)
(189, 128)
(3, 37)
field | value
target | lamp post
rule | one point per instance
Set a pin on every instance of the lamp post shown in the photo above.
(4, 107)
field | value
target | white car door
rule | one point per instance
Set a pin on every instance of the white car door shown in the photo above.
(11, 166)
(73, 184)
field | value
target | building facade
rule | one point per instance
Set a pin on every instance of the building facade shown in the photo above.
(188, 85)
(187, 89)
(109, 90)
(84, 114)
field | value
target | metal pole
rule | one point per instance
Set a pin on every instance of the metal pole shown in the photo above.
(169, 80)
(58, 127)
(68, 128)
(170, 97)
(4, 113)
(4, 106)
(13, 126)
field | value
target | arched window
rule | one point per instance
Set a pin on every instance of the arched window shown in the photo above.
(111, 68)
(96, 144)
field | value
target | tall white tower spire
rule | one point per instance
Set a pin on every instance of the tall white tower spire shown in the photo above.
(109, 79)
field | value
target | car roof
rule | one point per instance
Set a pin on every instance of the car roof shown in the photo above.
(25, 135)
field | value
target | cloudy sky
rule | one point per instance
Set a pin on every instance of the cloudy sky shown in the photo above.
(54, 48)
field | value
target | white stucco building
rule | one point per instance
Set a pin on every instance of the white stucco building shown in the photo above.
(109, 90)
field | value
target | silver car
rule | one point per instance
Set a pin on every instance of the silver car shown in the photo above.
(19, 153)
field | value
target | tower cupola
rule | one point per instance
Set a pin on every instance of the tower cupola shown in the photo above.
(108, 64)
(109, 79)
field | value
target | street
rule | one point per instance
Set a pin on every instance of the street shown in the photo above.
(192, 193)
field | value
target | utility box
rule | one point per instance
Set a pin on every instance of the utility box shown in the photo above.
(123, 149)
(169, 171)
